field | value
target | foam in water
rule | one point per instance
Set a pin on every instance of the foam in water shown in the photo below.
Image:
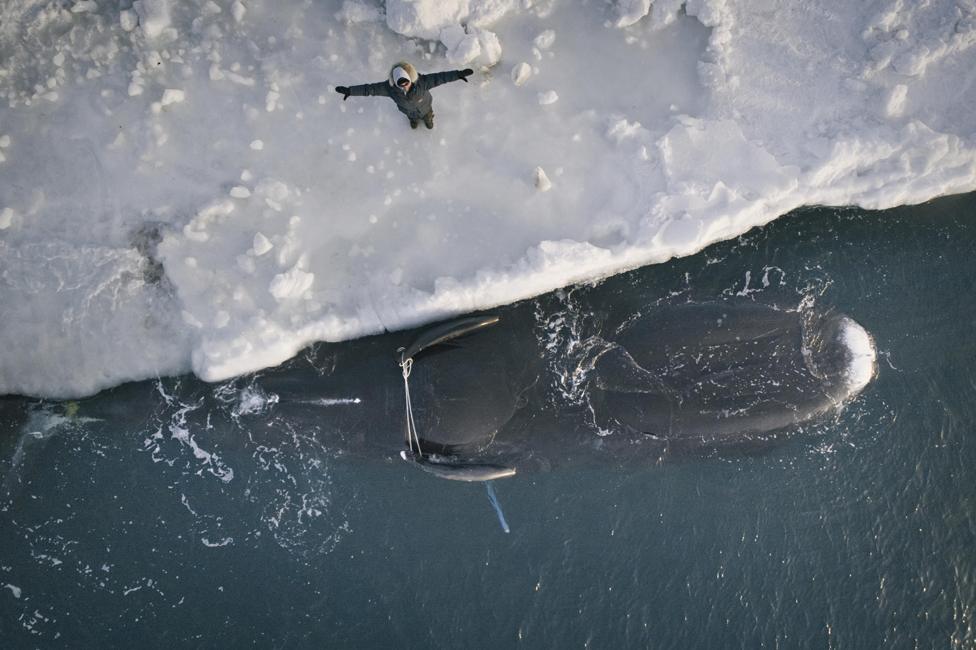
(182, 189)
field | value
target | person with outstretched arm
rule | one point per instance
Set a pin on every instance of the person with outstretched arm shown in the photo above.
(409, 90)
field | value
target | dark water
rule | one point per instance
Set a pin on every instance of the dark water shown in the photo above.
(144, 517)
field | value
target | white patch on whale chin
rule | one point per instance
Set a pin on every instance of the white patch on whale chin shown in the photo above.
(862, 355)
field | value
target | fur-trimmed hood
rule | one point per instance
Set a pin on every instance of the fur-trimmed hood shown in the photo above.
(403, 69)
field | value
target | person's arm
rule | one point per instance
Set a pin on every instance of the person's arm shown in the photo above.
(436, 79)
(364, 90)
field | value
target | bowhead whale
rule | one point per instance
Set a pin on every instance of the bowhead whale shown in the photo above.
(482, 398)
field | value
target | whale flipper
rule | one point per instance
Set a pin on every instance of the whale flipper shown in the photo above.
(457, 470)
(446, 332)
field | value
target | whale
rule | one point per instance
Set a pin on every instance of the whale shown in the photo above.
(488, 396)
(527, 388)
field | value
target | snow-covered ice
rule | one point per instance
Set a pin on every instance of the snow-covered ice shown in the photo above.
(182, 189)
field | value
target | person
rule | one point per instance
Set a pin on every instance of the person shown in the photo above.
(409, 90)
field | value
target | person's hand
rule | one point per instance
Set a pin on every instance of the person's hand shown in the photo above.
(464, 74)
(344, 91)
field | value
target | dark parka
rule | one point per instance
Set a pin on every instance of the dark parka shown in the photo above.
(417, 102)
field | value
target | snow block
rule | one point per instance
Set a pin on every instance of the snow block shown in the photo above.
(154, 16)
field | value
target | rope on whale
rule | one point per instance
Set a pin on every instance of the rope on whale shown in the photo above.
(412, 436)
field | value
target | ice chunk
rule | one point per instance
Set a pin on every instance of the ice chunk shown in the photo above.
(84, 6)
(491, 48)
(461, 47)
(422, 18)
(896, 100)
(261, 244)
(548, 97)
(128, 19)
(274, 189)
(6, 218)
(465, 45)
(154, 16)
(426, 18)
(240, 192)
(521, 73)
(630, 11)
(237, 10)
(271, 101)
(172, 96)
(621, 129)
(545, 40)
(542, 182)
(257, 145)
(291, 284)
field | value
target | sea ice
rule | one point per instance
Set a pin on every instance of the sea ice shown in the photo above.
(134, 243)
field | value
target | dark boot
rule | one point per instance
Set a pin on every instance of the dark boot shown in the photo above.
(413, 123)
(429, 120)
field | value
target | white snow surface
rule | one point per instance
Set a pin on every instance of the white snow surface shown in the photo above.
(142, 233)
